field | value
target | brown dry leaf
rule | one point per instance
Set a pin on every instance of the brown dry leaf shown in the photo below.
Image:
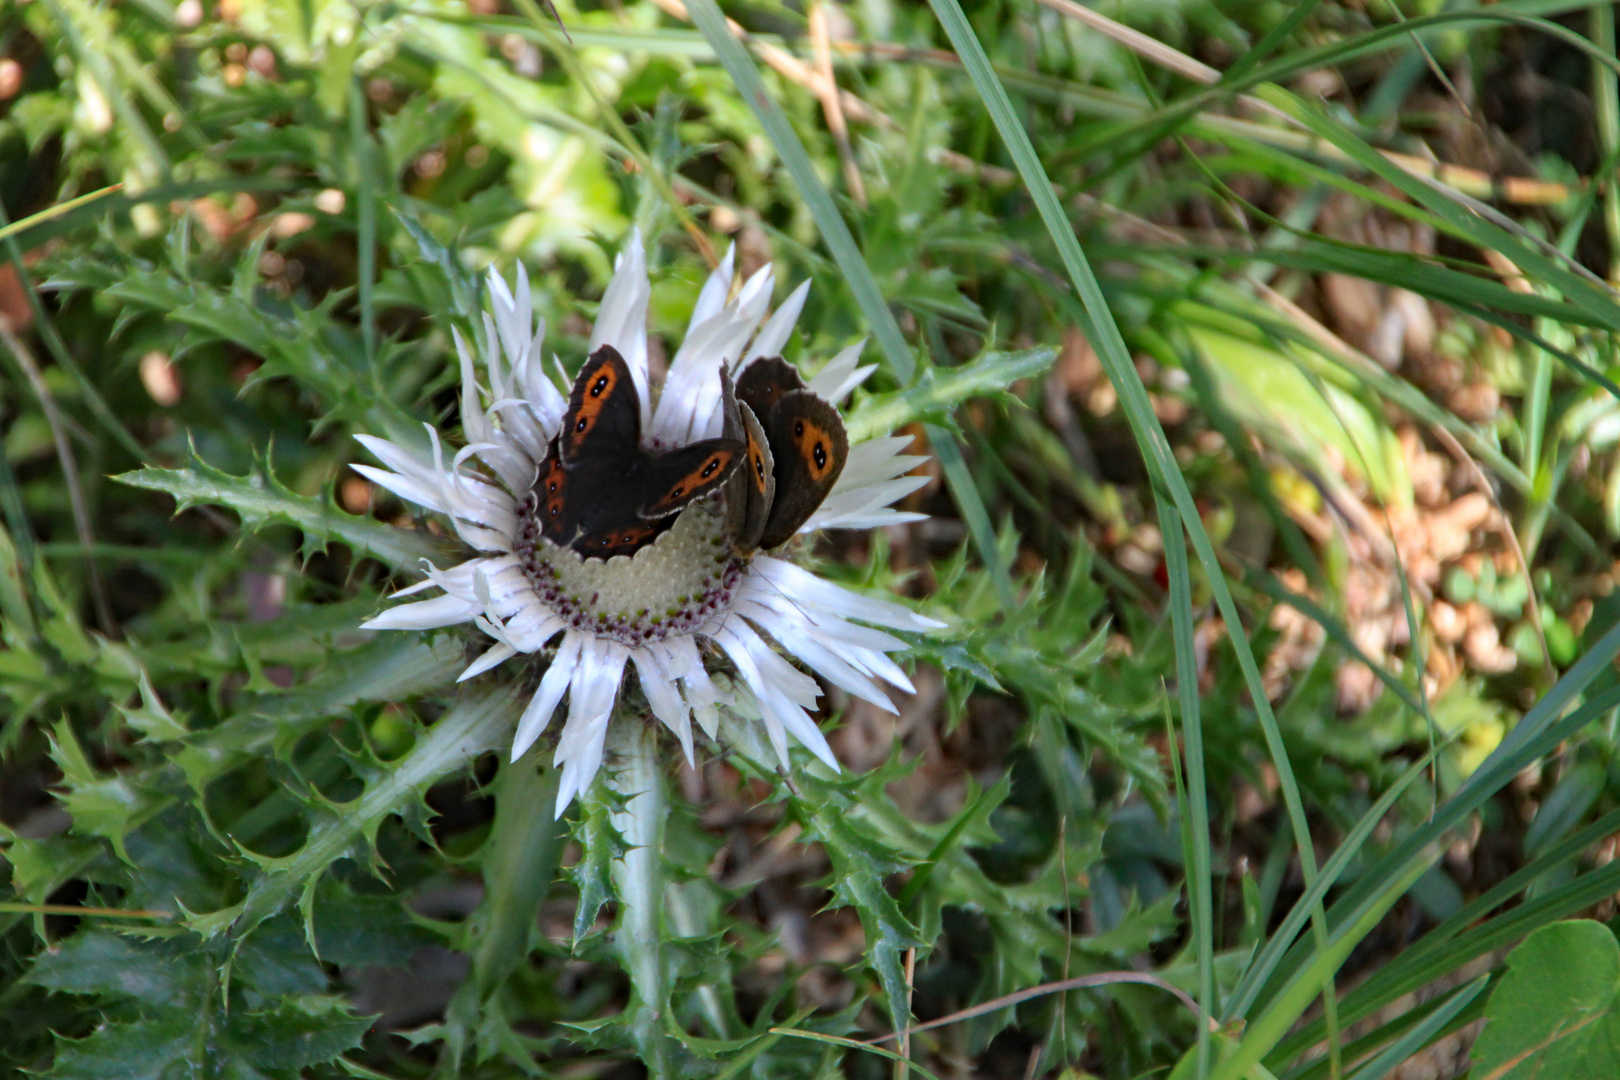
(1388, 324)
(224, 222)
(15, 310)
(1299, 638)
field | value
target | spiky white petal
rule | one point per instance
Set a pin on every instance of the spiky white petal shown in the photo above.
(663, 696)
(774, 334)
(712, 297)
(496, 654)
(552, 685)
(591, 695)
(621, 320)
(689, 407)
(842, 374)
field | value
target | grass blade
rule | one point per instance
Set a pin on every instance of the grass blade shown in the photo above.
(1266, 1030)
(706, 15)
(1419, 1036)
(1105, 337)
(1199, 878)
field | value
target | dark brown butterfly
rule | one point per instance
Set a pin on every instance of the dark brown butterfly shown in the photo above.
(795, 448)
(600, 492)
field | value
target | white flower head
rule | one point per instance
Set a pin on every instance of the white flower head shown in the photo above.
(691, 596)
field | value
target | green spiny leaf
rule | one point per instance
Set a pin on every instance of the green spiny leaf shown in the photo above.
(473, 727)
(262, 500)
(356, 929)
(152, 718)
(393, 667)
(105, 806)
(147, 1049)
(600, 844)
(519, 862)
(937, 391)
(98, 962)
(860, 864)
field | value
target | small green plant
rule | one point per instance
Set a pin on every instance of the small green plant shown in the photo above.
(1553, 1012)
(1143, 539)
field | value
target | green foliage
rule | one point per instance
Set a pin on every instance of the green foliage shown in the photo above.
(261, 500)
(165, 1012)
(224, 809)
(1554, 1011)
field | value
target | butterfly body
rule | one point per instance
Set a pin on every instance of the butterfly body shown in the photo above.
(599, 491)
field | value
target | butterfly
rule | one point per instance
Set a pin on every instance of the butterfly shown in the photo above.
(599, 491)
(794, 450)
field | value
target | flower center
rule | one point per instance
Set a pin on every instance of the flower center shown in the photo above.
(670, 586)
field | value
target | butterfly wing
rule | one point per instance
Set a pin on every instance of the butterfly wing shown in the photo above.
(554, 503)
(764, 382)
(672, 481)
(599, 491)
(753, 488)
(808, 447)
(619, 539)
(603, 420)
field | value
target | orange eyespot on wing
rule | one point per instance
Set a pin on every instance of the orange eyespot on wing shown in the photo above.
(815, 449)
(624, 540)
(751, 487)
(678, 477)
(551, 498)
(809, 447)
(551, 478)
(598, 392)
(604, 410)
(759, 467)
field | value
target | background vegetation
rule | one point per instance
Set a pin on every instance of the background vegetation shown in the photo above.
(1289, 318)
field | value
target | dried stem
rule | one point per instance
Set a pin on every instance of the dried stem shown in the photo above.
(831, 103)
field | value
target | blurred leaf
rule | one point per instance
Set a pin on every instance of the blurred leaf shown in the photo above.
(357, 930)
(1557, 1010)
(937, 391)
(175, 1022)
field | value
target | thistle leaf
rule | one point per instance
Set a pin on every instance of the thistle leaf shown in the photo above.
(938, 391)
(475, 726)
(260, 500)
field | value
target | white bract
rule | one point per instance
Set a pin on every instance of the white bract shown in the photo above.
(680, 604)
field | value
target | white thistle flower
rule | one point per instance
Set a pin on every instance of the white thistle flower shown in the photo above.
(684, 601)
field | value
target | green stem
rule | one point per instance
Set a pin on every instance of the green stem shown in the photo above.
(639, 882)
(1606, 99)
(519, 864)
